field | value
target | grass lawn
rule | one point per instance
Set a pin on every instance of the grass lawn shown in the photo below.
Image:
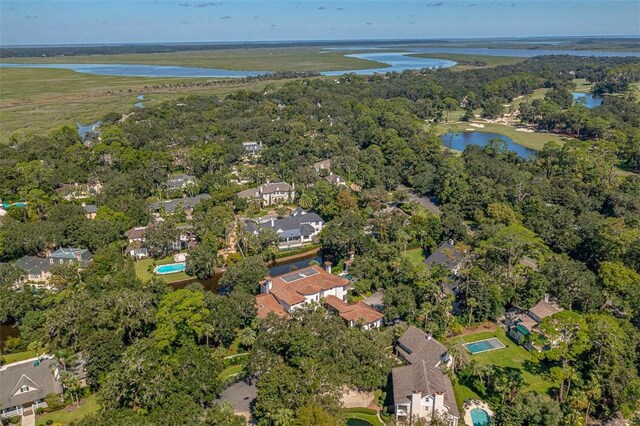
(466, 62)
(230, 371)
(511, 356)
(582, 85)
(20, 356)
(533, 140)
(66, 417)
(415, 256)
(142, 270)
(353, 413)
(462, 393)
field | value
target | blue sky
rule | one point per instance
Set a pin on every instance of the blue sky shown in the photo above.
(148, 21)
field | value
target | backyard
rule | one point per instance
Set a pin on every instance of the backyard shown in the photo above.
(71, 413)
(513, 356)
(144, 266)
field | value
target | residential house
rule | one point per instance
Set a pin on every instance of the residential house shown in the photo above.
(322, 165)
(74, 191)
(136, 248)
(25, 384)
(335, 180)
(252, 149)
(446, 256)
(421, 389)
(297, 289)
(355, 314)
(523, 325)
(90, 210)
(180, 181)
(270, 194)
(296, 230)
(187, 204)
(38, 269)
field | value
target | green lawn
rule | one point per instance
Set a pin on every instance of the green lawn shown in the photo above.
(415, 256)
(230, 372)
(87, 406)
(142, 270)
(354, 413)
(512, 356)
(582, 85)
(21, 356)
(533, 140)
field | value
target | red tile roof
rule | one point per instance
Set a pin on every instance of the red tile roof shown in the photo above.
(292, 287)
(355, 312)
(267, 303)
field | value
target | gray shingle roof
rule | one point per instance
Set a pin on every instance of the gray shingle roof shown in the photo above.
(421, 377)
(90, 208)
(187, 202)
(416, 345)
(291, 226)
(446, 256)
(40, 377)
(33, 265)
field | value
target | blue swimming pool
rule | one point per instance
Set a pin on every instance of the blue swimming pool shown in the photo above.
(479, 417)
(484, 345)
(170, 268)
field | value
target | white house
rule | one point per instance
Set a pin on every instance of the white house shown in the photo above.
(296, 230)
(300, 288)
(421, 389)
(270, 194)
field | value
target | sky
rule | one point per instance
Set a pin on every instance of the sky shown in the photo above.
(26, 22)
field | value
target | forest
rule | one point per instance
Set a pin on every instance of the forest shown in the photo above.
(154, 354)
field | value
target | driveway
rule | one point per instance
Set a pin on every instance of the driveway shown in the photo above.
(241, 395)
(429, 203)
(375, 300)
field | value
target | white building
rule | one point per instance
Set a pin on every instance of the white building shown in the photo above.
(296, 230)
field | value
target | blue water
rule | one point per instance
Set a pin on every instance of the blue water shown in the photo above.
(587, 99)
(171, 268)
(484, 345)
(460, 140)
(283, 269)
(479, 417)
(83, 130)
(19, 204)
(396, 61)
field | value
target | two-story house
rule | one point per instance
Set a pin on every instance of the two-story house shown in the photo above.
(296, 230)
(421, 389)
(38, 269)
(270, 194)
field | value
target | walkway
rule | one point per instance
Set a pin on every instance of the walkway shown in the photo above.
(28, 418)
(472, 404)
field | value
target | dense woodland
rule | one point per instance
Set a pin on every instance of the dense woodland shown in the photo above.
(153, 354)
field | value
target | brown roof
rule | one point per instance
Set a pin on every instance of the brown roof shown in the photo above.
(292, 287)
(545, 309)
(267, 303)
(422, 377)
(136, 233)
(355, 312)
(415, 345)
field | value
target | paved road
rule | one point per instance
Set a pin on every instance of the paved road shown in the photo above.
(429, 203)
(241, 395)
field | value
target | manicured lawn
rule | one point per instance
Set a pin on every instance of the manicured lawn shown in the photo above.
(87, 406)
(463, 393)
(530, 140)
(231, 371)
(20, 356)
(415, 256)
(353, 413)
(142, 270)
(582, 85)
(512, 356)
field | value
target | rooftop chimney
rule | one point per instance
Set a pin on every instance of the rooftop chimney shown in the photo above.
(546, 297)
(327, 266)
(268, 283)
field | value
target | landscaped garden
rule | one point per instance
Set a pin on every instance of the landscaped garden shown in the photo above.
(534, 374)
(71, 413)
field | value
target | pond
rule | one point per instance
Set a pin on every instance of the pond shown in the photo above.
(460, 140)
(357, 422)
(587, 99)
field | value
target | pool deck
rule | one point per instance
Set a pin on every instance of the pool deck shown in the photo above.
(157, 272)
(493, 348)
(470, 405)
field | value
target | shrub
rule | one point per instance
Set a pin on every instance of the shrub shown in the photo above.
(49, 422)
(53, 401)
(39, 410)
(15, 420)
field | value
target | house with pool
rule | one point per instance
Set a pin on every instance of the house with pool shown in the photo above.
(421, 389)
(522, 325)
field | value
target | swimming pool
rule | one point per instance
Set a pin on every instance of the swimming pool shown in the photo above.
(479, 417)
(484, 345)
(170, 268)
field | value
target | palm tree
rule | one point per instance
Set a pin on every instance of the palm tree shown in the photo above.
(248, 337)
(282, 417)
